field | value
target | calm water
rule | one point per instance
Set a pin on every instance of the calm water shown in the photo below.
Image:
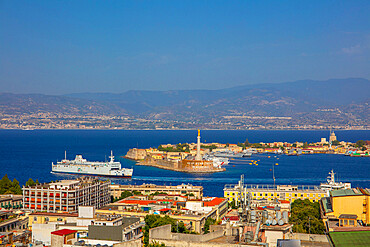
(25, 154)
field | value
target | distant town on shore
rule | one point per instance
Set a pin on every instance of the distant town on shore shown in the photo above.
(300, 105)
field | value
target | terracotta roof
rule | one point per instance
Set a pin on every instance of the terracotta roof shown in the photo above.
(214, 202)
(63, 232)
(232, 218)
(284, 201)
(165, 209)
(140, 202)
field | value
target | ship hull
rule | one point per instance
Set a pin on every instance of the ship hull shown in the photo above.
(91, 174)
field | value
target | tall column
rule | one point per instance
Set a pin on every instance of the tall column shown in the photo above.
(198, 157)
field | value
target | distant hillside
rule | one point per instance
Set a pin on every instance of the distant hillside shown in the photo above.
(33, 103)
(336, 100)
(274, 99)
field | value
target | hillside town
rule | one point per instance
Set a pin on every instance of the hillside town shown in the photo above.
(60, 120)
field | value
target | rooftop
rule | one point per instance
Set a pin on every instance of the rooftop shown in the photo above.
(54, 214)
(349, 192)
(215, 201)
(63, 232)
(348, 216)
(269, 187)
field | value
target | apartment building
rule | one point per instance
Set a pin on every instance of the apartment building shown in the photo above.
(147, 189)
(66, 195)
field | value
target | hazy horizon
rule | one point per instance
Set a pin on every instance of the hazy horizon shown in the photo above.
(52, 47)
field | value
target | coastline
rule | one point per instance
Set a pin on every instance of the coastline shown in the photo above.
(177, 169)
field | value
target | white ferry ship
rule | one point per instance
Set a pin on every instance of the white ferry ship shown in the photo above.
(331, 184)
(83, 167)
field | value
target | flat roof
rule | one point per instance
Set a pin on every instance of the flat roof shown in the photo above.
(215, 201)
(65, 182)
(63, 232)
(54, 214)
(347, 192)
(348, 216)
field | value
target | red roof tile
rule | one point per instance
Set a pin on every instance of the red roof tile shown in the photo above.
(63, 232)
(140, 202)
(232, 218)
(165, 209)
(214, 202)
(284, 201)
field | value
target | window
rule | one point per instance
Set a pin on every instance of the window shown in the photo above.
(265, 194)
(345, 222)
(351, 222)
(34, 218)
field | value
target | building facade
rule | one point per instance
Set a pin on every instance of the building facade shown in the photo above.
(270, 193)
(147, 189)
(66, 195)
(11, 201)
(354, 202)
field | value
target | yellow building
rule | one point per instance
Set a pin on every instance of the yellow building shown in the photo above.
(347, 202)
(116, 190)
(44, 217)
(271, 193)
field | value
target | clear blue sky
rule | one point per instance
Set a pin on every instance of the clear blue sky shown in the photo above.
(57, 47)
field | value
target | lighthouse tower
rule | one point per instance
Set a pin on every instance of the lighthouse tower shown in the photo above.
(198, 157)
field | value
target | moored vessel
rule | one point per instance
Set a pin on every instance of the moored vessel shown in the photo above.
(95, 168)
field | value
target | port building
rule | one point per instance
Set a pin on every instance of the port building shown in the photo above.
(147, 189)
(66, 195)
(346, 207)
(272, 193)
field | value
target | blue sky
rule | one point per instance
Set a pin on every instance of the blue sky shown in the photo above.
(58, 47)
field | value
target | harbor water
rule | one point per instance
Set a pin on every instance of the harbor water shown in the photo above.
(28, 154)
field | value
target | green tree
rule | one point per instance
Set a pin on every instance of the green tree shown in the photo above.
(208, 222)
(305, 145)
(9, 187)
(152, 221)
(335, 143)
(16, 188)
(156, 244)
(232, 204)
(5, 185)
(30, 182)
(241, 145)
(360, 143)
(305, 217)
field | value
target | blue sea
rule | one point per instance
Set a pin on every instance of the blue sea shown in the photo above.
(28, 154)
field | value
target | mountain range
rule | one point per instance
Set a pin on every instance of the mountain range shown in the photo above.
(337, 99)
